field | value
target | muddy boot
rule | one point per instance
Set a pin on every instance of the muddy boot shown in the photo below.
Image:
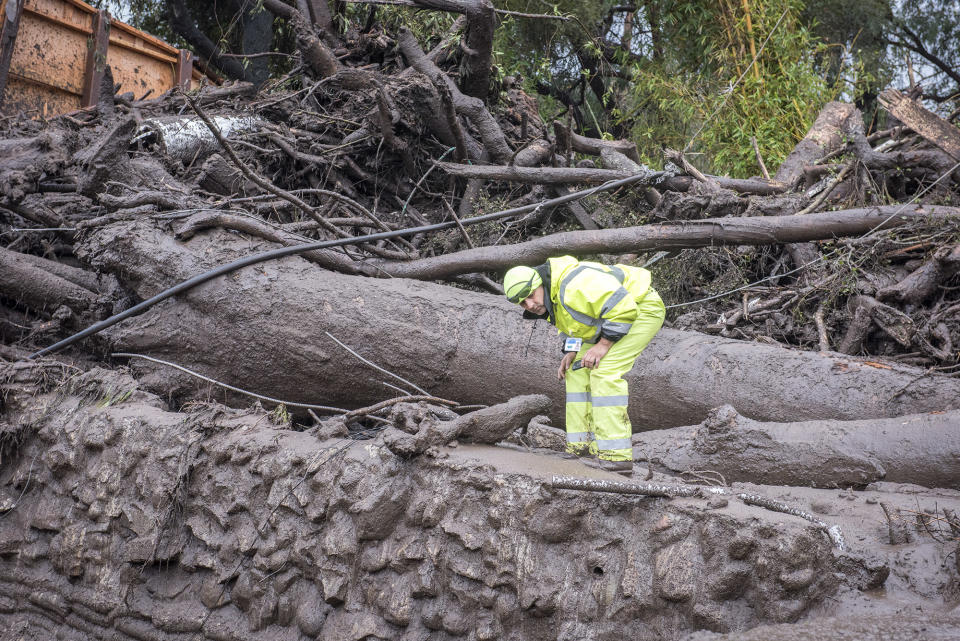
(624, 468)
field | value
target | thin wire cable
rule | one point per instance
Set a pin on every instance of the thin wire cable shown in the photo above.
(270, 399)
(822, 257)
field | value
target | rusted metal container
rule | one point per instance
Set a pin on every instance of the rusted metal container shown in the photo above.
(53, 54)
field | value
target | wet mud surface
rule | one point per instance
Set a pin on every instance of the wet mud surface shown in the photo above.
(123, 520)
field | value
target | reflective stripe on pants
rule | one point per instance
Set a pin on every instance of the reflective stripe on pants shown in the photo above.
(597, 399)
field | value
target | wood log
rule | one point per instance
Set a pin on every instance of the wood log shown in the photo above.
(265, 329)
(316, 54)
(750, 230)
(581, 176)
(923, 281)
(487, 425)
(24, 162)
(825, 135)
(923, 449)
(45, 285)
(613, 159)
(473, 108)
(596, 146)
(933, 128)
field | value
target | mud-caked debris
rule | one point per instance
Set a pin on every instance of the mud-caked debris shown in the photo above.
(489, 425)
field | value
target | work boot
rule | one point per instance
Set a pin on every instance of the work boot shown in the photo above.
(624, 468)
(570, 456)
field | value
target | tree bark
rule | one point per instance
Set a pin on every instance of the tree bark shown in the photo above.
(824, 136)
(924, 281)
(586, 176)
(184, 25)
(317, 55)
(920, 448)
(471, 107)
(596, 146)
(749, 230)
(264, 329)
(933, 128)
(44, 285)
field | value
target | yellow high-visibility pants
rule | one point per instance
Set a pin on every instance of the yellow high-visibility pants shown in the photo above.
(597, 419)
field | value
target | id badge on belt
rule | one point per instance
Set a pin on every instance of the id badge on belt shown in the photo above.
(572, 344)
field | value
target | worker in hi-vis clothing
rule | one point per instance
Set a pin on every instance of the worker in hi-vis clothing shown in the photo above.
(608, 314)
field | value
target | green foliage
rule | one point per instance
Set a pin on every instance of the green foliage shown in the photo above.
(280, 416)
(775, 100)
(113, 397)
(937, 24)
(678, 75)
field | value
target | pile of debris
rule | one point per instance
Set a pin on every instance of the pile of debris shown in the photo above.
(141, 502)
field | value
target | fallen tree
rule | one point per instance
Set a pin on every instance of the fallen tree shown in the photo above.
(920, 448)
(469, 347)
(672, 236)
(121, 518)
(589, 176)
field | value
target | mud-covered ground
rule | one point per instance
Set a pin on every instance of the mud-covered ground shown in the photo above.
(124, 520)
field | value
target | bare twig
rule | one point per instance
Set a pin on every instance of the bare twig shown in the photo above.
(402, 399)
(832, 531)
(377, 367)
(252, 175)
(898, 534)
(822, 330)
(679, 158)
(269, 399)
(422, 178)
(623, 487)
(756, 150)
(828, 189)
(463, 230)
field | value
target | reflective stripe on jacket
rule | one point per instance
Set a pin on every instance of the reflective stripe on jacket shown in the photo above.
(592, 300)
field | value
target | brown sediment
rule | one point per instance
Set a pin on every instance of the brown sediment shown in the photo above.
(125, 520)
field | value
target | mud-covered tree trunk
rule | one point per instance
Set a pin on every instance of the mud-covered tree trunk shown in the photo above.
(265, 329)
(923, 449)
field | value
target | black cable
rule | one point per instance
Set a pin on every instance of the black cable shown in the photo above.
(326, 244)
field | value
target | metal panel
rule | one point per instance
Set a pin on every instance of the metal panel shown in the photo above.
(96, 59)
(58, 52)
(139, 72)
(50, 53)
(37, 100)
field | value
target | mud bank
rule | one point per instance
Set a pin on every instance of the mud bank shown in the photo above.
(124, 520)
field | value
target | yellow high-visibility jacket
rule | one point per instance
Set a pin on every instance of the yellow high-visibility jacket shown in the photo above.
(591, 300)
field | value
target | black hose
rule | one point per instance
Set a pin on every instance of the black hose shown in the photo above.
(325, 244)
